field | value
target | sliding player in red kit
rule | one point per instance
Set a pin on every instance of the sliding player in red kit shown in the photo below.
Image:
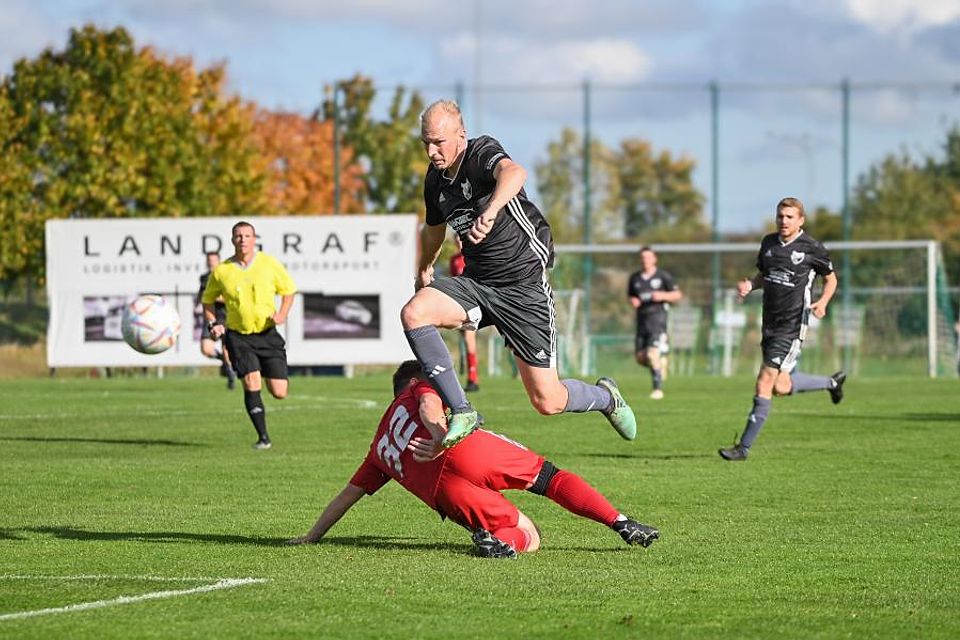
(464, 483)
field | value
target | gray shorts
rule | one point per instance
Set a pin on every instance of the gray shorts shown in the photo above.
(781, 352)
(522, 313)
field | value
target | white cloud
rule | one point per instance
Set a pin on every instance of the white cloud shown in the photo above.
(515, 61)
(909, 15)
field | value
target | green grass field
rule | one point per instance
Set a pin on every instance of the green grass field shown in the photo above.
(845, 522)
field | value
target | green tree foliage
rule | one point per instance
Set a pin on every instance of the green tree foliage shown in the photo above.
(636, 195)
(104, 130)
(388, 149)
(904, 198)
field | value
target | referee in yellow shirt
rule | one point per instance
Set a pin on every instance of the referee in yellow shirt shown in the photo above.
(249, 283)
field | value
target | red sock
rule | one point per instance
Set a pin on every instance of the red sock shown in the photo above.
(472, 368)
(572, 492)
(513, 536)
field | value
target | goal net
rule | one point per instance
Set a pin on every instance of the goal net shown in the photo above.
(892, 314)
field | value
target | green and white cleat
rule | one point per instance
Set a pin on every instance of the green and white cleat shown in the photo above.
(459, 426)
(621, 415)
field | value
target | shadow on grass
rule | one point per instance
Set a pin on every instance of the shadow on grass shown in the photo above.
(139, 441)
(180, 537)
(70, 533)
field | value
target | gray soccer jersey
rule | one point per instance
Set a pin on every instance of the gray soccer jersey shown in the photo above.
(788, 271)
(518, 248)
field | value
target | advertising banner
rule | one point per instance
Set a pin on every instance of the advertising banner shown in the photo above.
(353, 273)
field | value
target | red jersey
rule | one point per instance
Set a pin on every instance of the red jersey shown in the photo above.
(457, 264)
(463, 483)
(388, 457)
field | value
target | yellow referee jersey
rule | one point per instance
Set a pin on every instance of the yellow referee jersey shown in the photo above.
(249, 293)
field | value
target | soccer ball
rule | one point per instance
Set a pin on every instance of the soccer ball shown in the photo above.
(150, 324)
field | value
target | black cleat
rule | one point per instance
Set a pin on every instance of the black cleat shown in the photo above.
(836, 391)
(471, 387)
(633, 532)
(486, 545)
(736, 453)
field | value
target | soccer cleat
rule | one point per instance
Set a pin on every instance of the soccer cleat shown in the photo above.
(736, 453)
(836, 391)
(471, 387)
(656, 394)
(620, 415)
(261, 445)
(486, 545)
(459, 426)
(633, 532)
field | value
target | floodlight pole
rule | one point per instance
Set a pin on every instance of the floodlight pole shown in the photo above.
(587, 212)
(336, 147)
(715, 184)
(846, 283)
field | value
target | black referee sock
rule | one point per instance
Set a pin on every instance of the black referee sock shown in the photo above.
(437, 365)
(258, 415)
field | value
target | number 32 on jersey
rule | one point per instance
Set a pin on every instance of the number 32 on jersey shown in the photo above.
(396, 438)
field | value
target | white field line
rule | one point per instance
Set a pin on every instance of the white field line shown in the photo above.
(225, 583)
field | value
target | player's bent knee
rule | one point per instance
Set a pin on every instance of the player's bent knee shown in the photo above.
(526, 525)
(546, 405)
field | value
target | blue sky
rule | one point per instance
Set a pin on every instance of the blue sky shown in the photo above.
(773, 143)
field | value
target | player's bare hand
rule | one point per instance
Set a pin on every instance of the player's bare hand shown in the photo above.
(744, 287)
(819, 309)
(423, 278)
(217, 331)
(481, 227)
(279, 318)
(424, 449)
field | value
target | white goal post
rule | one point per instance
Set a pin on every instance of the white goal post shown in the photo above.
(922, 275)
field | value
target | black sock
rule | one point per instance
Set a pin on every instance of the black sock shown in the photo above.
(258, 415)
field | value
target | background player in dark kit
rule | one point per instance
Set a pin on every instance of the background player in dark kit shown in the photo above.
(787, 264)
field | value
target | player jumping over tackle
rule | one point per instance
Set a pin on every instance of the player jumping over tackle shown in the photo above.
(464, 483)
(474, 187)
(787, 263)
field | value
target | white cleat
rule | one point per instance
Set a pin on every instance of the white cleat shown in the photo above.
(656, 394)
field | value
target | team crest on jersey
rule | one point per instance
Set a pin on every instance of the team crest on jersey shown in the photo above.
(796, 257)
(655, 283)
(467, 189)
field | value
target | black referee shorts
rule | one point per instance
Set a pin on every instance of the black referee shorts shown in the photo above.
(264, 352)
(522, 313)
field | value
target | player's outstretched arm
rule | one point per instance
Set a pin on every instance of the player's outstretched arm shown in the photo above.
(334, 511)
(819, 308)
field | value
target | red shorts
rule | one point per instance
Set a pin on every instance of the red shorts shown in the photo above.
(475, 472)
